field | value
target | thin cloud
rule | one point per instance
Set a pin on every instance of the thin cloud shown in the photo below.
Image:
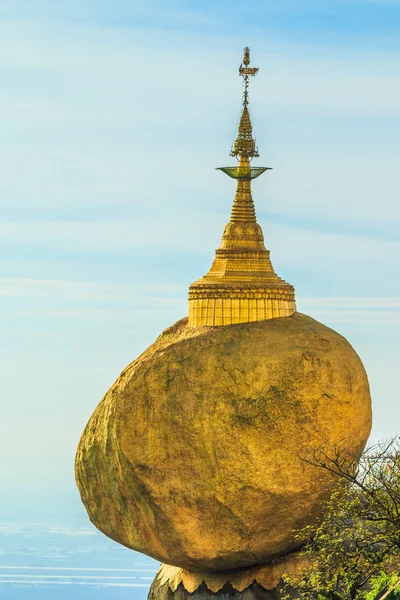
(368, 311)
(355, 303)
(73, 289)
(97, 583)
(105, 569)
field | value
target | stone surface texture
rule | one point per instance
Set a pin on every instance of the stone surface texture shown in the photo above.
(194, 456)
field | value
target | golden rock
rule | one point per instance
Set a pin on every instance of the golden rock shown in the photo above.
(194, 456)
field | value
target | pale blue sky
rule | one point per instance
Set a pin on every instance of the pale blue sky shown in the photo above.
(113, 117)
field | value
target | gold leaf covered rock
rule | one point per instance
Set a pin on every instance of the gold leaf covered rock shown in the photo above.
(194, 456)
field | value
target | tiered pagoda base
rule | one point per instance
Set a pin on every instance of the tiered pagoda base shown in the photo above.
(253, 592)
(262, 582)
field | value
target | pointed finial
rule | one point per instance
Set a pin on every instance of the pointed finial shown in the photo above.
(244, 145)
(246, 72)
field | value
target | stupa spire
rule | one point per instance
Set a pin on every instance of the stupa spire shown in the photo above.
(241, 285)
(244, 149)
(244, 144)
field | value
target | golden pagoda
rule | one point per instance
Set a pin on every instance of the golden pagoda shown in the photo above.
(195, 455)
(241, 285)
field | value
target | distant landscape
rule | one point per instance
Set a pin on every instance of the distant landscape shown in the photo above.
(49, 557)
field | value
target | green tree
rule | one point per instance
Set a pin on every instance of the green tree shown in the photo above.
(354, 548)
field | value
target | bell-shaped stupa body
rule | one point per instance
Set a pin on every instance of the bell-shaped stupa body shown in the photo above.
(241, 285)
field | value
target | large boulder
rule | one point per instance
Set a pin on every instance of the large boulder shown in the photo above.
(195, 454)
